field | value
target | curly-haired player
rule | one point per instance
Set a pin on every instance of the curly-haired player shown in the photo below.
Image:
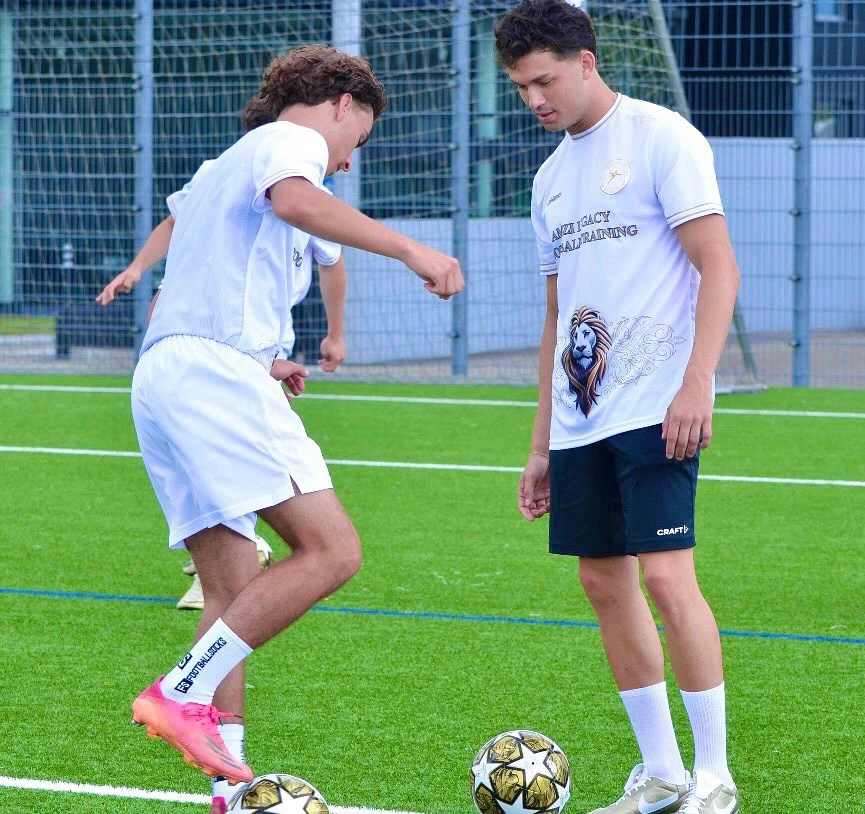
(218, 437)
(631, 236)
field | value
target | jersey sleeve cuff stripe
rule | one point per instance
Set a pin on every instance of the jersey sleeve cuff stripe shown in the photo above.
(695, 212)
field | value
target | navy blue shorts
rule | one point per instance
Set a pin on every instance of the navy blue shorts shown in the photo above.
(621, 495)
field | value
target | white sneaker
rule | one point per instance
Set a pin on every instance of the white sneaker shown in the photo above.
(720, 800)
(265, 552)
(645, 794)
(193, 599)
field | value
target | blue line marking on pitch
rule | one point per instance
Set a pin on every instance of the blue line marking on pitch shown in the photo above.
(457, 617)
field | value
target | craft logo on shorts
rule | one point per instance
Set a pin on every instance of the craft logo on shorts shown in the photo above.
(615, 176)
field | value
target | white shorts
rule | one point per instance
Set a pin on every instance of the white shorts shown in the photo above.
(218, 436)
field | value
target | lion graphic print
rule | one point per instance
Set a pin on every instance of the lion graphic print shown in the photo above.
(595, 360)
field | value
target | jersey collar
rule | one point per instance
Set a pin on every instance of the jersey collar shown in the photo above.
(601, 122)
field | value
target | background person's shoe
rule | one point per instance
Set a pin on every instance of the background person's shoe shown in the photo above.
(193, 599)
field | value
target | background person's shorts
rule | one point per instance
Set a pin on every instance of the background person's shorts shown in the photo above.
(621, 496)
(218, 437)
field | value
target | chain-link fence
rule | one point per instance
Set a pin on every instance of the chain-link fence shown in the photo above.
(107, 107)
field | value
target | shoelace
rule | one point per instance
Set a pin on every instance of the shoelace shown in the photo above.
(206, 712)
(637, 781)
(694, 804)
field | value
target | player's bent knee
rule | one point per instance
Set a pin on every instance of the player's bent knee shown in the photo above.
(347, 561)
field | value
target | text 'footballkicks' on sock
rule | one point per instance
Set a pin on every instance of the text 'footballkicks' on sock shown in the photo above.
(200, 672)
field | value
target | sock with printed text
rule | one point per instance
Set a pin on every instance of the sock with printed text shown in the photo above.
(200, 672)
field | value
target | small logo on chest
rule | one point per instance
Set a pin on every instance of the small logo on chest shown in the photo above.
(615, 176)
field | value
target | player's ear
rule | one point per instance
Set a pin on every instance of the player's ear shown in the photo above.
(342, 105)
(588, 63)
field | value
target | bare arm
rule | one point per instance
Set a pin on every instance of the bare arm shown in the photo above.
(298, 202)
(534, 491)
(334, 284)
(153, 250)
(689, 416)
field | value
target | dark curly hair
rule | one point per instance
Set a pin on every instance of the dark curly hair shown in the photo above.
(312, 74)
(544, 25)
(255, 113)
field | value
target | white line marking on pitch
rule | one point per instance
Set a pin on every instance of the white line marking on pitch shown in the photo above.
(111, 453)
(442, 401)
(144, 794)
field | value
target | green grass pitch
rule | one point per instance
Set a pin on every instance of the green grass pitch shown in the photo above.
(385, 710)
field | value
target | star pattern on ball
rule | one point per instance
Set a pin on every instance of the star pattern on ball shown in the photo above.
(531, 763)
(481, 771)
(520, 772)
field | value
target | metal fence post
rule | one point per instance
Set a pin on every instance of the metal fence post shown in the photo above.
(7, 272)
(143, 147)
(803, 126)
(347, 34)
(461, 53)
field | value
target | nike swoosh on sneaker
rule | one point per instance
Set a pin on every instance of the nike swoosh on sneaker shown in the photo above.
(726, 809)
(645, 807)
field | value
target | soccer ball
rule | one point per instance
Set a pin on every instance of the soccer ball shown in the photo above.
(520, 772)
(278, 794)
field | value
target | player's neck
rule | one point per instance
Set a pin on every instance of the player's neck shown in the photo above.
(603, 99)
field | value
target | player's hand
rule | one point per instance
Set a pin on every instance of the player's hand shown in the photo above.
(688, 422)
(292, 376)
(441, 274)
(533, 499)
(332, 353)
(123, 283)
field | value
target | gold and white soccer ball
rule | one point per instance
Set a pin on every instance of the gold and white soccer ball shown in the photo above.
(278, 794)
(520, 772)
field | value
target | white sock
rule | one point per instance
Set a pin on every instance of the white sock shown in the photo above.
(200, 672)
(707, 714)
(649, 711)
(234, 737)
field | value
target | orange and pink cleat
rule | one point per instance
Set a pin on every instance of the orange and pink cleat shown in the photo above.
(192, 729)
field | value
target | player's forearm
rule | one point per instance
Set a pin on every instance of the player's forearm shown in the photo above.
(301, 204)
(719, 285)
(541, 429)
(334, 285)
(155, 247)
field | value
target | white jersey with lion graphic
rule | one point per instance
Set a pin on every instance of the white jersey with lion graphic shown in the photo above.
(604, 208)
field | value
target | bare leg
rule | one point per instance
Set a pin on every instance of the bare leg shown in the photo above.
(325, 555)
(689, 625)
(628, 630)
(226, 562)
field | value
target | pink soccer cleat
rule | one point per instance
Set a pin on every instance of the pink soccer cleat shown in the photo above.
(192, 730)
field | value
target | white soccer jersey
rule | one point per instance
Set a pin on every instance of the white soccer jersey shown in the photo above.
(307, 247)
(604, 206)
(229, 275)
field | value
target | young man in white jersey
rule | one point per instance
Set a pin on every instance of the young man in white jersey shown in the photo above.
(333, 282)
(641, 282)
(218, 436)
